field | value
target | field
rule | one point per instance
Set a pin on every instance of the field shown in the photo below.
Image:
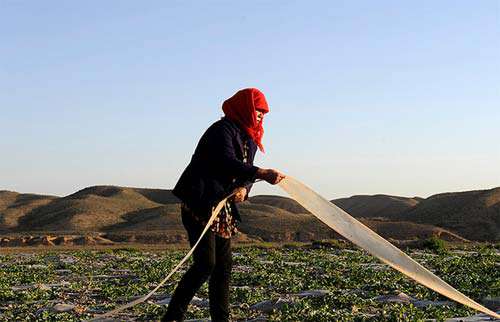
(268, 283)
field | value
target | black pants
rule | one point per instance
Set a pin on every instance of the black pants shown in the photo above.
(212, 259)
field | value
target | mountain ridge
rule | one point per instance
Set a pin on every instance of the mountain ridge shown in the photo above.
(108, 208)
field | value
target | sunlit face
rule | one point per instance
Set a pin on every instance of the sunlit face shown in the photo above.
(259, 115)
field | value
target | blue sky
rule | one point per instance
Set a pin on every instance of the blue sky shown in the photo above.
(366, 96)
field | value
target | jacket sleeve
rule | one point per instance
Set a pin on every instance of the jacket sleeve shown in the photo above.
(224, 158)
(248, 184)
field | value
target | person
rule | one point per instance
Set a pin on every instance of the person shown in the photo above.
(222, 164)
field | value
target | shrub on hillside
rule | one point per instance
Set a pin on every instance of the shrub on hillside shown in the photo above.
(330, 243)
(435, 244)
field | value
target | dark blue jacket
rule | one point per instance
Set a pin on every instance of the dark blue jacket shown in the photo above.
(216, 168)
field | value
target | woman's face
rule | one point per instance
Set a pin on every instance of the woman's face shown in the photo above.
(259, 115)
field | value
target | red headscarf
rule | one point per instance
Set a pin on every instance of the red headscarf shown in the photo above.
(241, 107)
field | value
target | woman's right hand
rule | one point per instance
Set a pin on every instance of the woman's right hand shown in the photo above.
(270, 175)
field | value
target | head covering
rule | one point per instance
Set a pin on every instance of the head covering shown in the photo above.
(241, 107)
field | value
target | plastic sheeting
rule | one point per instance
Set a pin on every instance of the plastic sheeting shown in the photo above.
(364, 237)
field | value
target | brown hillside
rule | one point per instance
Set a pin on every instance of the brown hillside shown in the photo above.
(7, 198)
(91, 209)
(472, 214)
(376, 205)
(166, 217)
(276, 224)
(15, 205)
(144, 212)
(405, 230)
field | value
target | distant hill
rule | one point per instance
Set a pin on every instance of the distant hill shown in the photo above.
(139, 213)
(14, 206)
(401, 230)
(472, 214)
(92, 209)
(272, 223)
(372, 211)
(376, 205)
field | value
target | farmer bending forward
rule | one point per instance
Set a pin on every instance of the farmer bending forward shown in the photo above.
(221, 164)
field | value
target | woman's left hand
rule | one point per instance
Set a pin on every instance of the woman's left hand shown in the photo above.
(240, 194)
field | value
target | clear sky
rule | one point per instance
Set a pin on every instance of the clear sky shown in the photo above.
(394, 97)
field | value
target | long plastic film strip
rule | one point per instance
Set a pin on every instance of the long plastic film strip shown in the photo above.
(350, 228)
(364, 237)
